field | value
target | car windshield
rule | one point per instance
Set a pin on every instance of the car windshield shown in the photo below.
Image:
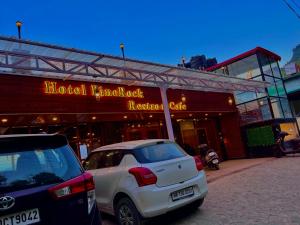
(159, 152)
(23, 169)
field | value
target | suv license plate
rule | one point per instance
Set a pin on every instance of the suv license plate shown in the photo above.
(184, 193)
(21, 218)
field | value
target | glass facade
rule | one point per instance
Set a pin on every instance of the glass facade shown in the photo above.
(271, 104)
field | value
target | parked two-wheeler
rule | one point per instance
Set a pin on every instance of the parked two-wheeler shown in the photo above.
(283, 147)
(212, 159)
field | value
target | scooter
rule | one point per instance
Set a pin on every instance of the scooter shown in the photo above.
(283, 148)
(212, 159)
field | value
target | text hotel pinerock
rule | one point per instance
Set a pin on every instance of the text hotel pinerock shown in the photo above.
(53, 88)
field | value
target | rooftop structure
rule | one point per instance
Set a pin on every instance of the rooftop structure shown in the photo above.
(28, 58)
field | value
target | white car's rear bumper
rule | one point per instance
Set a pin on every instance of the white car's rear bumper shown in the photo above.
(153, 201)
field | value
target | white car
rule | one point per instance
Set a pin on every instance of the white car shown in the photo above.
(136, 180)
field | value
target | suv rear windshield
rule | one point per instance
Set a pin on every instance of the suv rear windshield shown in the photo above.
(25, 166)
(158, 152)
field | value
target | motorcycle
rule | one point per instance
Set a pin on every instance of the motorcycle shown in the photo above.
(289, 147)
(212, 159)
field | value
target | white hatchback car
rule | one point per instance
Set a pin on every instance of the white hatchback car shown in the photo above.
(136, 180)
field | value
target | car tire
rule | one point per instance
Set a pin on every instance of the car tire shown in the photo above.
(196, 204)
(127, 213)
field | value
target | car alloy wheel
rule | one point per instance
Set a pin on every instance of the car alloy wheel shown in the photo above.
(125, 215)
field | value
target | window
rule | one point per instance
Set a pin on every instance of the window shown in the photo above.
(246, 68)
(242, 97)
(276, 106)
(275, 69)
(104, 159)
(280, 88)
(36, 167)
(286, 108)
(256, 110)
(265, 63)
(159, 152)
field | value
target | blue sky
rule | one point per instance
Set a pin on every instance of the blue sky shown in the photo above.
(157, 30)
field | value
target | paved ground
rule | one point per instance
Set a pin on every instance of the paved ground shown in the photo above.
(268, 193)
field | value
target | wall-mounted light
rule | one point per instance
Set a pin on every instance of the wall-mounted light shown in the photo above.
(4, 120)
(230, 101)
(94, 117)
(125, 117)
(150, 116)
(206, 114)
(54, 118)
(97, 96)
(183, 98)
(261, 102)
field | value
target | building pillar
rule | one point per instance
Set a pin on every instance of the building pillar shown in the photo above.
(163, 93)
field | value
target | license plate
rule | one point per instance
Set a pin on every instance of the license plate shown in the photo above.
(184, 193)
(21, 218)
(215, 161)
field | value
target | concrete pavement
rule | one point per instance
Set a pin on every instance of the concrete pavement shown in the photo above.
(266, 194)
(234, 166)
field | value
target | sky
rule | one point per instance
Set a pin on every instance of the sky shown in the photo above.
(157, 30)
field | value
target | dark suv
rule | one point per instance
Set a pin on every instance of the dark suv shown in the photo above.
(42, 182)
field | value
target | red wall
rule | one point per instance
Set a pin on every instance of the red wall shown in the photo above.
(231, 132)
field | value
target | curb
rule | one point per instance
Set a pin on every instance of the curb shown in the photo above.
(238, 171)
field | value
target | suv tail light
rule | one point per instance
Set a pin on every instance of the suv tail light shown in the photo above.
(83, 183)
(198, 163)
(143, 176)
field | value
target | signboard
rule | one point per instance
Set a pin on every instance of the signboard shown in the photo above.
(35, 95)
(98, 91)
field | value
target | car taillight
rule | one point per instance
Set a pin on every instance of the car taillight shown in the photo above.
(198, 163)
(83, 183)
(143, 176)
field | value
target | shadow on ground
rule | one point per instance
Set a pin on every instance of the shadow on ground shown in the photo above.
(173, 217)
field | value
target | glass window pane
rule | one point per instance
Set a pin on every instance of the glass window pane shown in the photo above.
(258, 78)
(275, 69)
(159, 152)
(291, 129)
(246, 68)
(272, 91)
(286, 108)
(254, 111)
(36, 167)
(280, 88)
(265, 109)
(265, 63)
(242, 97)
(278, 113)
